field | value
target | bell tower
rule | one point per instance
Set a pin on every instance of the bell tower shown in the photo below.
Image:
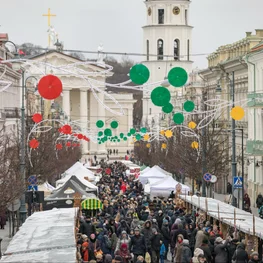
(167, 40)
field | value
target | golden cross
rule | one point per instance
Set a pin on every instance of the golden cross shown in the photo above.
(49, 15)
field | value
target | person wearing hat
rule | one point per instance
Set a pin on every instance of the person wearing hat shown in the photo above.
(165, 231)
(159, 218)
(254, 258)
(84, 248)
(186, 256)
(206, 250)
(155, 245)
(240, 255)
(124, 253)
(196, 257)
(202, 259)
(221, 254)
(137, 244)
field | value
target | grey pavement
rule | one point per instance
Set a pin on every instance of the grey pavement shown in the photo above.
(4, 234)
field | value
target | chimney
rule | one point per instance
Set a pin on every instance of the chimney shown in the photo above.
(248, 34)
(259, 32)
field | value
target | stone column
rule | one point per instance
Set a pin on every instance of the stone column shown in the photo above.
(84, 117)
(66, 102)
(101, 116)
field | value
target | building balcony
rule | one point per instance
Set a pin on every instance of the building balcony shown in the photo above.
(254, 147)
(12, 113)
(256, 100)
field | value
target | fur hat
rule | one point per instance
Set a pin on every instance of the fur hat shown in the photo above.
(219, 240)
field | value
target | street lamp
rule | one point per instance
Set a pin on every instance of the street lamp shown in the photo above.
(233, 130)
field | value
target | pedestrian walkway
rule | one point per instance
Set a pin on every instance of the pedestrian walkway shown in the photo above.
(4, 235)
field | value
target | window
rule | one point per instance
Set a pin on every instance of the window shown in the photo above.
(176, 49)
(160, 16)
(186, 17)
(160, 49)
(147, 49)
(188, 49)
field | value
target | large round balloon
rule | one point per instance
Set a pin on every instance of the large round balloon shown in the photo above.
(100, 123)
(139, 74)
(114, 124)
(37, 117)
(108, 132)
(50, 87)
(177, 77)
(34, 143)
(237, 113)
(160, 96)
(178, 118)
(189, 106)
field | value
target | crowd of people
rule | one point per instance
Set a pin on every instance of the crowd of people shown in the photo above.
(133, 228)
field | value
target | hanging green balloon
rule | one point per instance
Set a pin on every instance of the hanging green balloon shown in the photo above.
(138, 136)
(177, 77)
(132, 131)
(99, 123)
(108, 132)
(100, 133)
(189, 106)
(99, 142)
(105, 138)
(143, 130)
(129, 134)
(178, 118)
(168, 108)
(160, 96)
(139, 74)
(121, 135)
(114, 124)
(125, 138)
(118, 140)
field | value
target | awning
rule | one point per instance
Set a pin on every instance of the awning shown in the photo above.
(91, 204)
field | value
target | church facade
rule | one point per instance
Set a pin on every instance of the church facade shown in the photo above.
(167, 40)
(78, 103)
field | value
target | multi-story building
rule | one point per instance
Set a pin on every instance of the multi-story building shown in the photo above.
(167, 40)
(254, 60)
(10, 90)
(225, 67)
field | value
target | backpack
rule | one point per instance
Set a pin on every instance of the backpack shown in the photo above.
(107, 242)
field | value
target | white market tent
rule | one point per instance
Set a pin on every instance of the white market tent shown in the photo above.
(46, 188)
(154, 172)
(79, 169)
(151, 181)
(145, 170)
(225, 213)
(47, 236)
(165, 187)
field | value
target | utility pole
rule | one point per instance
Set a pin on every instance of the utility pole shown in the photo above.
(204, 150)
(234, 164)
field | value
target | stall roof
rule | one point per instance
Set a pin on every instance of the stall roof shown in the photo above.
(225, 213)
(45, 237)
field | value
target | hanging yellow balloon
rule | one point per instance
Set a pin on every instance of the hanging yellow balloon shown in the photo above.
(134, 139)
(192, 125)
(195, 145)
(162, 132)
(237, 113)
(168, 133)
(148, 145)
(164, 145)
(146, 137)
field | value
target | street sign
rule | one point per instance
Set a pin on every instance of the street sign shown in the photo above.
(213, 179)
(32, 179)
(238, 182)
(31, 187)
(207, 177)
(14, 206)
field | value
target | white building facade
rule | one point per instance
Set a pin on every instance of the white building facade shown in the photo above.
(79, 104)
(255, 122)
(167, 40)
(9, 97)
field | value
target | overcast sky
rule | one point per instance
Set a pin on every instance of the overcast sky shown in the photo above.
(83, 24)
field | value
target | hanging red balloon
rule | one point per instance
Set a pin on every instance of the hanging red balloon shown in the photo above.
(78, 144)
(74, 144)
(50, 87)
(75, 134)
(86, 138)
(33, 144)
(37, 117)
(66, 129)
(80, 136)
(60, 130)
(59, 146)
(108, 171)
(68, 144)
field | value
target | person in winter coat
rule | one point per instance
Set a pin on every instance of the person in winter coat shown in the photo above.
(240, 255)
(159, 218)
(247, 200)
(178, 248)
(84, 248)
(254, 258)
(155, 246)
(197, 253)
(86, 227)
(155, 225)
(137, 244)
(180, 231)
(147, 233)
(113, 239)
(124, 253)
(162, 252)
(199, 236)
(259, 201)
(94, 246)
(206, 250)
(221, 253)
(124, 239)
(123, 227)
(165, 231)
(186, 256)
